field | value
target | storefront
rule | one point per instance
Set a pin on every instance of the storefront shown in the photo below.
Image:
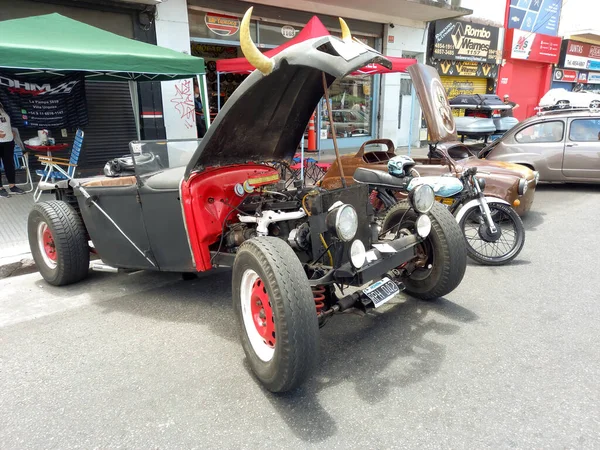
(214, 35)
(111, 124)
(575, 68)
(466, 56)
(527, 74)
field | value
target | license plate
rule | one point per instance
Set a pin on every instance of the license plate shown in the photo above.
(381, 291)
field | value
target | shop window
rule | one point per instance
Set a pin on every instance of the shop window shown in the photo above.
(351, 106)
(541, 132)
(276, 34)
(585, 130)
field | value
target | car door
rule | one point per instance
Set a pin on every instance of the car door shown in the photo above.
(538, 144)
(581, 158)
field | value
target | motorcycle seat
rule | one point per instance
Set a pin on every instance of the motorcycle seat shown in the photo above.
(378, 178)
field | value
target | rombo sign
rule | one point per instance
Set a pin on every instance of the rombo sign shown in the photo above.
(458, 40)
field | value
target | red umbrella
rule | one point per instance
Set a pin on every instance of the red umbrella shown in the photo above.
(313, 29)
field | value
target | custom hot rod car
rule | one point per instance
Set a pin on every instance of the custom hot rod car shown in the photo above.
(298, 256)
(513, 183)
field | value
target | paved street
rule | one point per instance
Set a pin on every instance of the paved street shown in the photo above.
(508, 360)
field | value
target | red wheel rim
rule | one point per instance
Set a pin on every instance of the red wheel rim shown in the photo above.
(262, 313)
(49, 246)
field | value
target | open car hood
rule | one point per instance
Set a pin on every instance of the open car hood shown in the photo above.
(434, 102)
(266, 116)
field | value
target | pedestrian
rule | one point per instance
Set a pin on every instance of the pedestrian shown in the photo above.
(7, 153)
(200, 121)
(509, 111)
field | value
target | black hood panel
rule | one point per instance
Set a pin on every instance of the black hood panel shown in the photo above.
(266, 116)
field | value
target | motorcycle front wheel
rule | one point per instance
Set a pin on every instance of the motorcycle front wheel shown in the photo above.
(490, 248)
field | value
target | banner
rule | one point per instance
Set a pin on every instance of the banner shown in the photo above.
(580, 55)
(566, 75)
(44, 102)
(537, 16)
(464, 68)
(533, 47)
(466, 41)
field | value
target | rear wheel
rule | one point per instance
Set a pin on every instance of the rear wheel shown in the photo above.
(276, 312)
(442, 255)
(490, 248)
(58, 242)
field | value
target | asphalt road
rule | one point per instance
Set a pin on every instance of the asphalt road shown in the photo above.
(508, 360)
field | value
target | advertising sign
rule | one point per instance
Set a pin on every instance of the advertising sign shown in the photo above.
(536, 16)
(464, 68)
(566, 75)
(56, 102)
(593, 78)
(534, 47)
(458, 40)
(580, 55)
(221, 24)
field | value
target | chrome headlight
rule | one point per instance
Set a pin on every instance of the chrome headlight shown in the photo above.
(422, 198)
(423, 225)
(481, 182)
(358, 254)
(522, 186)
(344, 221)
(536, 176)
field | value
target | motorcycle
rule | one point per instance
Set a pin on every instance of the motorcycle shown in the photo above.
(493, 231)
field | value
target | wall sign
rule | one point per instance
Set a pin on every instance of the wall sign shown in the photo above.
(222, 25)
(537, 16)
(580, 55)
(533, 46)
(458, 40)
(56, 102)
(566, 75)
(288, 31)
(593, 78)
(464, 68)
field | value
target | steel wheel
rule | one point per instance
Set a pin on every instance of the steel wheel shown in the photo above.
(257, 314)
(46, 244)
(486, 247)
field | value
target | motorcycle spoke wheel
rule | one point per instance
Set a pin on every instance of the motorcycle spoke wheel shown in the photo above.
(487, 248)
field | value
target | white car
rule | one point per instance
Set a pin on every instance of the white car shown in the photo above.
(561, 98)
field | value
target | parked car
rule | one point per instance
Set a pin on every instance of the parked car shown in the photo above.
(512, 182)
(348, 122)
(562, 146)
(561, 98)
(298, 256)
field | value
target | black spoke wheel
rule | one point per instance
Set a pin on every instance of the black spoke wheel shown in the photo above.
(487, 247)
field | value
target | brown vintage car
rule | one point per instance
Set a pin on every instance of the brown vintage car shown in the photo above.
(512, 182)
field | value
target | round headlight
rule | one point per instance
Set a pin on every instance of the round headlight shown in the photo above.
(422, 198)
(481, 182)
(423, 225)
(344, 221)
(358, 254)
(522, 186)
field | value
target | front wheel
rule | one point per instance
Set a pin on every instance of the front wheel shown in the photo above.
(276, 312)
(442, 256)
(490, 248)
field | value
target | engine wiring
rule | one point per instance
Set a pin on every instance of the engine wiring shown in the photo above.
(233, 208)
(325, 246)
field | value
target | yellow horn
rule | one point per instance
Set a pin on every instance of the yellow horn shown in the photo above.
(253, 54)
(346, 36)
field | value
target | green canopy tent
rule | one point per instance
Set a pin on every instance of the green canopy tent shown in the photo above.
(57, 45)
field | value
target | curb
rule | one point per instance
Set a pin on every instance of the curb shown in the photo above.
(17, 265)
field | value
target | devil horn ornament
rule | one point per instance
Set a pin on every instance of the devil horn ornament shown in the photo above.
(346, 35)
(253, 54)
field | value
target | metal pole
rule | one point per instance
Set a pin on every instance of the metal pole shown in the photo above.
(204, 95)
(412, 116)
(133, 93)
(218, 92)
(335, 146)
(302, 160)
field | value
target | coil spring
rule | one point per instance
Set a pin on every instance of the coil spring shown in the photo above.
(319, 296)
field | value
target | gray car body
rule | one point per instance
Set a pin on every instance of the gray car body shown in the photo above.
(565, 159)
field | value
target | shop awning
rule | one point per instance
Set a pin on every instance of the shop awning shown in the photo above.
(313, 29)
(57, 44)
